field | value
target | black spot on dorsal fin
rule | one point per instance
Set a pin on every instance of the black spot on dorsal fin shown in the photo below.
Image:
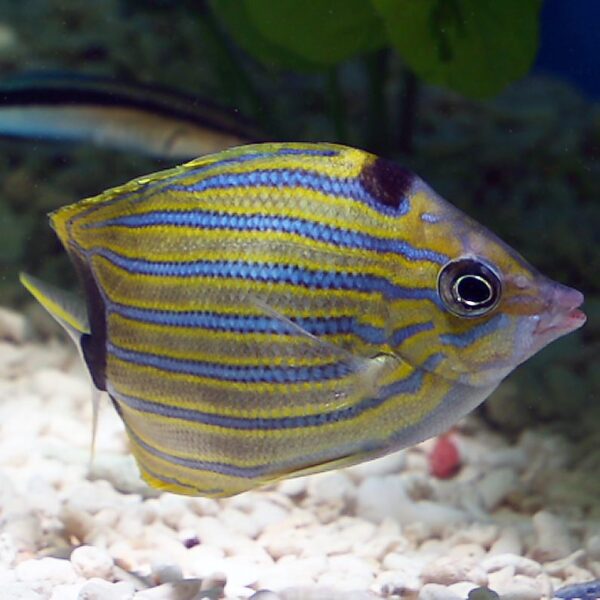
(387, 181)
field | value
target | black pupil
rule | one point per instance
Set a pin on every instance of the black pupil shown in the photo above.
(468, 287)
(473, 290)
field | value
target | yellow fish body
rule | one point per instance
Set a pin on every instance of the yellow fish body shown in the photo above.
(280, 309)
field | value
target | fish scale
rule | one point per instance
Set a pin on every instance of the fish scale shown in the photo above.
(281, 309)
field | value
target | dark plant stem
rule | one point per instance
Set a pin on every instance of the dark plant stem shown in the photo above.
(409, 101)
(337, 107)
(377, 122)
(234, 79)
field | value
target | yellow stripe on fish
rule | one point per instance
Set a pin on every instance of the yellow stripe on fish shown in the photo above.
(279, 309)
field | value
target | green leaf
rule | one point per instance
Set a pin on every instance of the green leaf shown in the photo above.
(234, 15)
(475, 47)
(302, 33)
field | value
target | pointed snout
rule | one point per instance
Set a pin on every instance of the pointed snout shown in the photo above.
(562, 314)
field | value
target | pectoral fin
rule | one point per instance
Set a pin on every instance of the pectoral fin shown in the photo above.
(368, 369)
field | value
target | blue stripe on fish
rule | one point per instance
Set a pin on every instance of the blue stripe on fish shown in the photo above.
(302, 227)
(274, 273)
(466, 338)
(161, 477)
(245, 374)
(253, 156)
(285, 178)
(143, 190)
(409, 385)
(203, 465)
(251, 323)
(177, 482)
(402, 334)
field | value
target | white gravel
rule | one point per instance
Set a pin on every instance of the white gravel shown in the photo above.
(384, 529)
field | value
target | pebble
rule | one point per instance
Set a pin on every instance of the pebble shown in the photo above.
(312, 593)
(93, 496)
(435, 591)
(472, 551)
(267, 514)
(90, 561)
(481, 534)
(23, 526)
(495, 486)
(211, 531)
(265, 595)
(463, 588)
(205, 507)
(11, 358)
(592, 546)
(563, 565)
(520, 564)
(348, 572)
(98, 589)
(397, 583)
(166, 573)
(68, 591)
(13, 325)
(509, 542)
(203, 560)
(22, 591)
(519, 587)
(448, 569)
(8, 551)
(239, 522)
(293, 487)
(379, 498)
(513, 457)
(331, 487)
(171, 509)
(406, 563)
(387, 465)
(384, 526)
(187, 589)
(498, 579)
(50, 569)
(240, 571)
(46, 381)
(553, 539)
(289, 572)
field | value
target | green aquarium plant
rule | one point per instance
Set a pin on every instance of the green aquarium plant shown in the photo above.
(475, 47)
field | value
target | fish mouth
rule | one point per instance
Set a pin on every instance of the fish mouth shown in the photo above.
(563, 314)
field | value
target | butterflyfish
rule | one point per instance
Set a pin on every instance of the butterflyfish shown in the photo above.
(281, 309)
(147, 119)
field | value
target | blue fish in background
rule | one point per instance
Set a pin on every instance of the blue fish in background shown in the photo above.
(147, 119)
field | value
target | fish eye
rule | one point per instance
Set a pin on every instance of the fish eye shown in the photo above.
(468, 287)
